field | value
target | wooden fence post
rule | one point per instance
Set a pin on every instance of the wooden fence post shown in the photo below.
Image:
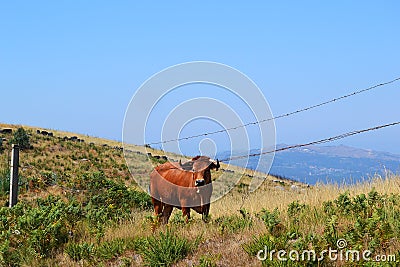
(14, 175)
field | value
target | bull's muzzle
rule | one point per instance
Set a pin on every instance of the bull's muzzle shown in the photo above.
(200, 182)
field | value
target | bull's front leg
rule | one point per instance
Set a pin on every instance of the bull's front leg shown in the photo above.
(185, 209)
(205, 212)
(186, 213)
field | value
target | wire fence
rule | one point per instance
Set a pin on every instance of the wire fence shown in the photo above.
(321, 141)
(5, 159)
(282, 115)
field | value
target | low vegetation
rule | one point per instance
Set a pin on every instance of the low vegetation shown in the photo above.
(79, 206)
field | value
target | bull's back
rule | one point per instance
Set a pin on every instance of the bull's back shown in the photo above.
(172, 176)
(164, 178)
(172, 173)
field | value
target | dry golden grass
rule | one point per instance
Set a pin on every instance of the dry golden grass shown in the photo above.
(226, 247)
(270, 197)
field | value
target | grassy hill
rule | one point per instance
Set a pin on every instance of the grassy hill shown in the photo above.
(80, 206)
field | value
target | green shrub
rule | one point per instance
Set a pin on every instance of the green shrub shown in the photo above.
(295, 208)
(46, 225)
(77, 252)
(271, 219)
(360, 205)
(110, 202)
(373, 220)
(21, 138)
(177, 218)
(48, 178)
(209, 260)
(8, 255)
(233, 223)
(37, 231)
(104, 251)
(141, 199)
(164, 249)
(344, 204)
(157, 161)
(106, 201)
(114, 248)
(102, 191)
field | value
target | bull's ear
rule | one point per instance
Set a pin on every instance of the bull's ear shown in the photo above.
(215, 165)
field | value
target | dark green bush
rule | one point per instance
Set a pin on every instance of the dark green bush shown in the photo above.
(36, 231)
(233, 223)
(375, 220)
(271, 219)
(8, 255)
(77, 252)
(295, 208)
(344, 204)
(103, 192)
(21, 138)
(114, 248)
(108, 201)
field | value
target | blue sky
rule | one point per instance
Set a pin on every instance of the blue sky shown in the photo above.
(74, 65)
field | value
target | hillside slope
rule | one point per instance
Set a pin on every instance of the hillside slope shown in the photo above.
(57, 158)
(79, 206)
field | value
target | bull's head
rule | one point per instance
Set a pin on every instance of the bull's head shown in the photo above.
(201, 169)
(202, 162)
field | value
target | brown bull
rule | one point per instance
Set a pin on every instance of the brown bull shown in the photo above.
(185, 187)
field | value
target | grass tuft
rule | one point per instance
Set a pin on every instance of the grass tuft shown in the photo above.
(165, 248)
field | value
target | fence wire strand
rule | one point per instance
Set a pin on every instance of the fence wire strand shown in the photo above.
(279, 116)
(321, 141)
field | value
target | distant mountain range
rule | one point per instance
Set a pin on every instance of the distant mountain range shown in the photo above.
(325, 164)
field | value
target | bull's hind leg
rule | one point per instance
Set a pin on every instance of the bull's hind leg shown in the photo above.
(158, 207)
